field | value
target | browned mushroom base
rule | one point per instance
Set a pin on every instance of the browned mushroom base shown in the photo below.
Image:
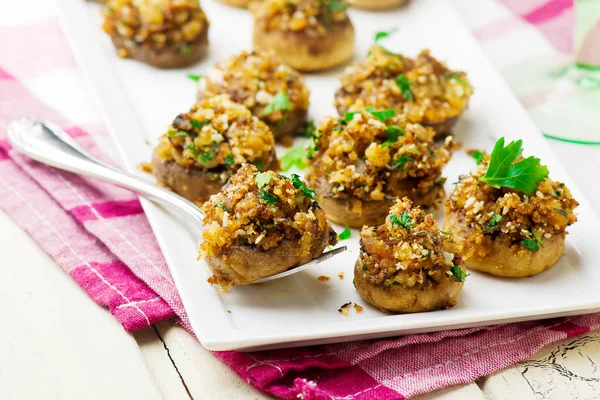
(180, 57)
(506, 259)
(399, 299)
(309, 53)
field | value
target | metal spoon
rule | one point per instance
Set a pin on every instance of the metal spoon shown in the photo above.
(47, 143)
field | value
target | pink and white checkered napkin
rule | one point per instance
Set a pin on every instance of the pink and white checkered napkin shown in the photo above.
(100, 236)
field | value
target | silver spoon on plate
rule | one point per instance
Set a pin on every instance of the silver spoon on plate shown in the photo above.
(47, 143)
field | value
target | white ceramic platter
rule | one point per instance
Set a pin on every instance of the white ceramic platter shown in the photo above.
(139, 103)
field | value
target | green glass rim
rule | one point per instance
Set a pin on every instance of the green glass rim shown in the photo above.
(574, 141)
(587, 67)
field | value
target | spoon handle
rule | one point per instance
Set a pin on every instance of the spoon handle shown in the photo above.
(47, 143)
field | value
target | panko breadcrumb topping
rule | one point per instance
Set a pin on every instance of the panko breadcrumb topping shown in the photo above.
(260, 81)
(408, 250)
(262, 209)
(312, 17)
(521, 222)
(423, 89)
(370, 159)
(155, 24)
(219, 135)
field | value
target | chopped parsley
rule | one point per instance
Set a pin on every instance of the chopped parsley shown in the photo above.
(402, 160)
(267, 197)
(383, 34)
(532, 244)
(309, 129)
(174, 133)
(294, 156)
(229, 311)
(280, 102)
(404, 84)
(523, 175)
(198, 124)
(389, 281)
(458, 273)
(345, 234)
(404, 221)
(298, 184)
(194, 77)
(393, 133)
(383, 115)
(193, 150)
(260, 164)
(493, 222)
(364, 267)
(221, 206)
(478, 156)
(262, 179)
(207, 155)
(349, 116)
(228, 160)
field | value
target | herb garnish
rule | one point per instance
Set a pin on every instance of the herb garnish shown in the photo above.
(402, 160)
(199, 124)
(404, 84)
(532, 244)
(383, 115)
(207, 155)
(228, 160)
(364, 267)
(309, 129)
(262, 179)
(294, 156)
(193, 150)
(229, 311)
(493, 222)
(458, 273)
(562, 212)
(523, 175)
(336, 5)
(404, 221)
(455, 76)
(280, 102)
(260, 164)
(267, 197)
(345, 234)
(383, 34)
(478, 156)
(194, 77)
(389, 281)
(393, 133)
(173, 133)
(445, 233)
(298, 184)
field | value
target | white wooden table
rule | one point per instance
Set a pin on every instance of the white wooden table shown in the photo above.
(48, 351)
(56, 343)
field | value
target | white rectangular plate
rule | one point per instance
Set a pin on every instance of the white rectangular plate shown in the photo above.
(139, 102)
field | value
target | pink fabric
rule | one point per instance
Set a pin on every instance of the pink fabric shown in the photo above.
(100, 236)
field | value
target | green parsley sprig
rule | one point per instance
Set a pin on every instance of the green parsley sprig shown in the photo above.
(294, 156)
(504, 172)
(532, 244)
(298, 184)
(195, 77)
(404, 85)
(404, 221)
(458, 273)
(382, 115)
(280, 102)
(383, 34)
(393, 133)
(345, 234)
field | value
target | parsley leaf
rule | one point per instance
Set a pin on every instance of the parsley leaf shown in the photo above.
(336, 5)
(193, 150)
(383, 115)
(404, 221)
(389, 281)
(345, 234)
(523, 175)
(309, 129)
(262, 179)
(280, 102)
(383, 34)
(294, 156)
(402, 160)
(493, 222)
(267, 197)
(393, 133)
(478, 156)
(229, 159)
(364, 267)
(207, 155)
(198, 124)
(298, 184)
(455, 76)
(458, 273)
(530, 244)
(260, 164)
(404, 84)
(194, 77)
(349, 116)
(173, 133)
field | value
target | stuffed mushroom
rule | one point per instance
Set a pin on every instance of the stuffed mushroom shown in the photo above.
(204, 147)
(309, 35)
(161, 33)
(505, 226)
(271, 90)
(407, 265)
(376, 4)
(261, 224)
(360, 164)
(236, 3)
(423, 89)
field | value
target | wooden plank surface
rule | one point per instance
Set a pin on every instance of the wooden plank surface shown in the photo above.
(56, 343)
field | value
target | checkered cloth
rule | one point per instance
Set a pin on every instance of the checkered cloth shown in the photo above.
(100, 236)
